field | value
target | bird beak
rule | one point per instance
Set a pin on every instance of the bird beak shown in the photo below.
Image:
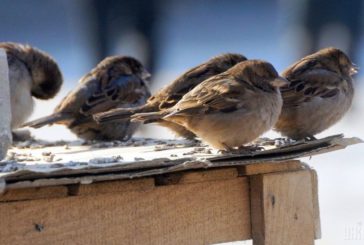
(354, 69)
(145, 75)
(279, 82)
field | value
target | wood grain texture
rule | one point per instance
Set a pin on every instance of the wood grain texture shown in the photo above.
(270, 167)
(34, 193)
(316, 206)
(140, 185)
(195, 213)
(282, 208)
(197, 176)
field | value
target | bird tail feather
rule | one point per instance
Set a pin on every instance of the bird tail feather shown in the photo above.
(117, 114)
(148, 117)
(51, 119)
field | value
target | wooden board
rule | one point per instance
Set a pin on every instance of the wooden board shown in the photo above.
(213, 210)
(34, 193)
(277, 205)
(282, 208)
(271, 167)
(316, 206)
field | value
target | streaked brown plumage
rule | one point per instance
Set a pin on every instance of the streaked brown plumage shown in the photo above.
(172, 93)
(117, 81)
(32, 73)
(233, 108)
(320, 93)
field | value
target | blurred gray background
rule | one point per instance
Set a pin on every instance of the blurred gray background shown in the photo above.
(172, 36)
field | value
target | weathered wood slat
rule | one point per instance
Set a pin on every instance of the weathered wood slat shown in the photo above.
(34, 193)
(282, 208)
(205, 212)
(316, 206)
(271, 167)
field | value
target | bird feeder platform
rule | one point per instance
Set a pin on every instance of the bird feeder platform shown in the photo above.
(149, 191)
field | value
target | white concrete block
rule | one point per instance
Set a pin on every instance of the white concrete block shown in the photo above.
(5, 106)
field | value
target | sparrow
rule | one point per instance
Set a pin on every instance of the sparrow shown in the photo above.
(168, 96)
(320, 93)
(32, 74)
(230, 109)
(117, 81)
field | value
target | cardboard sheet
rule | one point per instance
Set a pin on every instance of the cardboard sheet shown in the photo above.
(34, 163)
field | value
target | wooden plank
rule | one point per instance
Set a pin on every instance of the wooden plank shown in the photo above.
(186, 177)
(34, 193)
(195, 213)
(316, 206)
(282, 209)
(196, 176)
(169, 175)
(270, 167)
(140, 184)
(115, 187)
(76, 189)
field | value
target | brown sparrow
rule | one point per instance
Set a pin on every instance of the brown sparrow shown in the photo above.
(320, 93)
(172, 93)
(232, 108)
(32, 73)
(117, 81)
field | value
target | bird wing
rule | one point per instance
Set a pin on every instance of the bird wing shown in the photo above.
(218, 94)
(305, 86)
(186, 82)
(300, 67)
(124, 89)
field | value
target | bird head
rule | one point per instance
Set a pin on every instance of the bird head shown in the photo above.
(224, 62)
(335, 60)
(260, 74)
(124, 65)
(43, 69)
(46, 75)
